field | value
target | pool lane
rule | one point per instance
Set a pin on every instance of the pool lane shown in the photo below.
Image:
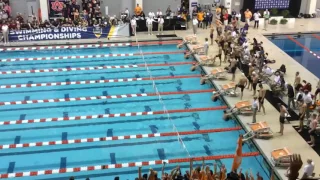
(304, 50)
(40, 158)
(84, 52)
(105, 107)
(87, 90)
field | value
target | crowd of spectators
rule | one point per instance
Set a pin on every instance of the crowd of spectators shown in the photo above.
(5, 9)
(70, 15)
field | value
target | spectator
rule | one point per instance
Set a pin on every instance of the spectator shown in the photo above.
(160, 25)
(159, 13)
(19, 17)
(168, 11)
(7, 9)
(133, 25)
(149, 25)
(195, 25)
(138, 10)
(76, 14)
(290, 96)
(5, 33)
(1, 4)
(200, 18)
(256, 16)
(248, 16)
(308, 169)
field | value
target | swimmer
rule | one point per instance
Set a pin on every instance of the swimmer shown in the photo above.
(179, 46)
(227, 116)
(194, 66)
(242, 84)
(215, 96)
(188, 54)
(203, 79)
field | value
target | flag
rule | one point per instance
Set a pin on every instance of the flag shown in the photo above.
(238, 156)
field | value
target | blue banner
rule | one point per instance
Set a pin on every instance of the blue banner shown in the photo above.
(60, 33)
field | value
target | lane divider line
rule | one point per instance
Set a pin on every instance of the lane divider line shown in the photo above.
(123, 165)
(115, 138)
(10, 86)
(89, 98)
(82, 46)
(304, 47)
(84, 56)
(88, 68)
(99, 116)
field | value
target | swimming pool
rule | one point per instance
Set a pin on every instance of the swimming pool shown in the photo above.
(66, 112)
(304, 48)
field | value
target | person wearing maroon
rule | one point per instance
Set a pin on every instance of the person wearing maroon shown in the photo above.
(13, 25)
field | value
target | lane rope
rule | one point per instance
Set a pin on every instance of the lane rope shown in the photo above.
(115, 138)
(99, 116)
(9, 86)
(89, 68)
(88, 98)
(123, 165)
(83, 56)
(82, 46)
(304, 47)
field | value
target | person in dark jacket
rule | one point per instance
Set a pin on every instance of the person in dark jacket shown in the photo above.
(291, 96)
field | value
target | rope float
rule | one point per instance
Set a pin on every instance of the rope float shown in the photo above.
(9, 86)
(88, 68)
(115, 138)
(101, 45)
(98, 116)
(84, 57)
(100, 97)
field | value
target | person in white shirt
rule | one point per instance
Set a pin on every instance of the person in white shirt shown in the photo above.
(245, 44)
(159, 13)
(5, 32)
(266, 16)
(308, 100)
(256, 17)
(308, 169)
(160, 25)
(246, 51)
(127, 12)
(149, 25)
(151, 15)
(133, 25)
(267, 70)
(255, 107)
(195, 25)
(233, 33)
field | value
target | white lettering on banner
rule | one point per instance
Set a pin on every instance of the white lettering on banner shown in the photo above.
(33, 31)
(49, 30)
(51, 36)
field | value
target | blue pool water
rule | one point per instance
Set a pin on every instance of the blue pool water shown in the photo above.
(110, 152)
(301, 55)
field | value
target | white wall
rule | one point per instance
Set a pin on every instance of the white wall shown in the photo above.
(309, 6)
(154, 5)
(318, 4)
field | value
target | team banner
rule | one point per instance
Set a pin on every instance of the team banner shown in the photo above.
(59, 33)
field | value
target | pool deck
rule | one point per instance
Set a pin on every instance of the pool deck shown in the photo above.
(291, 139)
